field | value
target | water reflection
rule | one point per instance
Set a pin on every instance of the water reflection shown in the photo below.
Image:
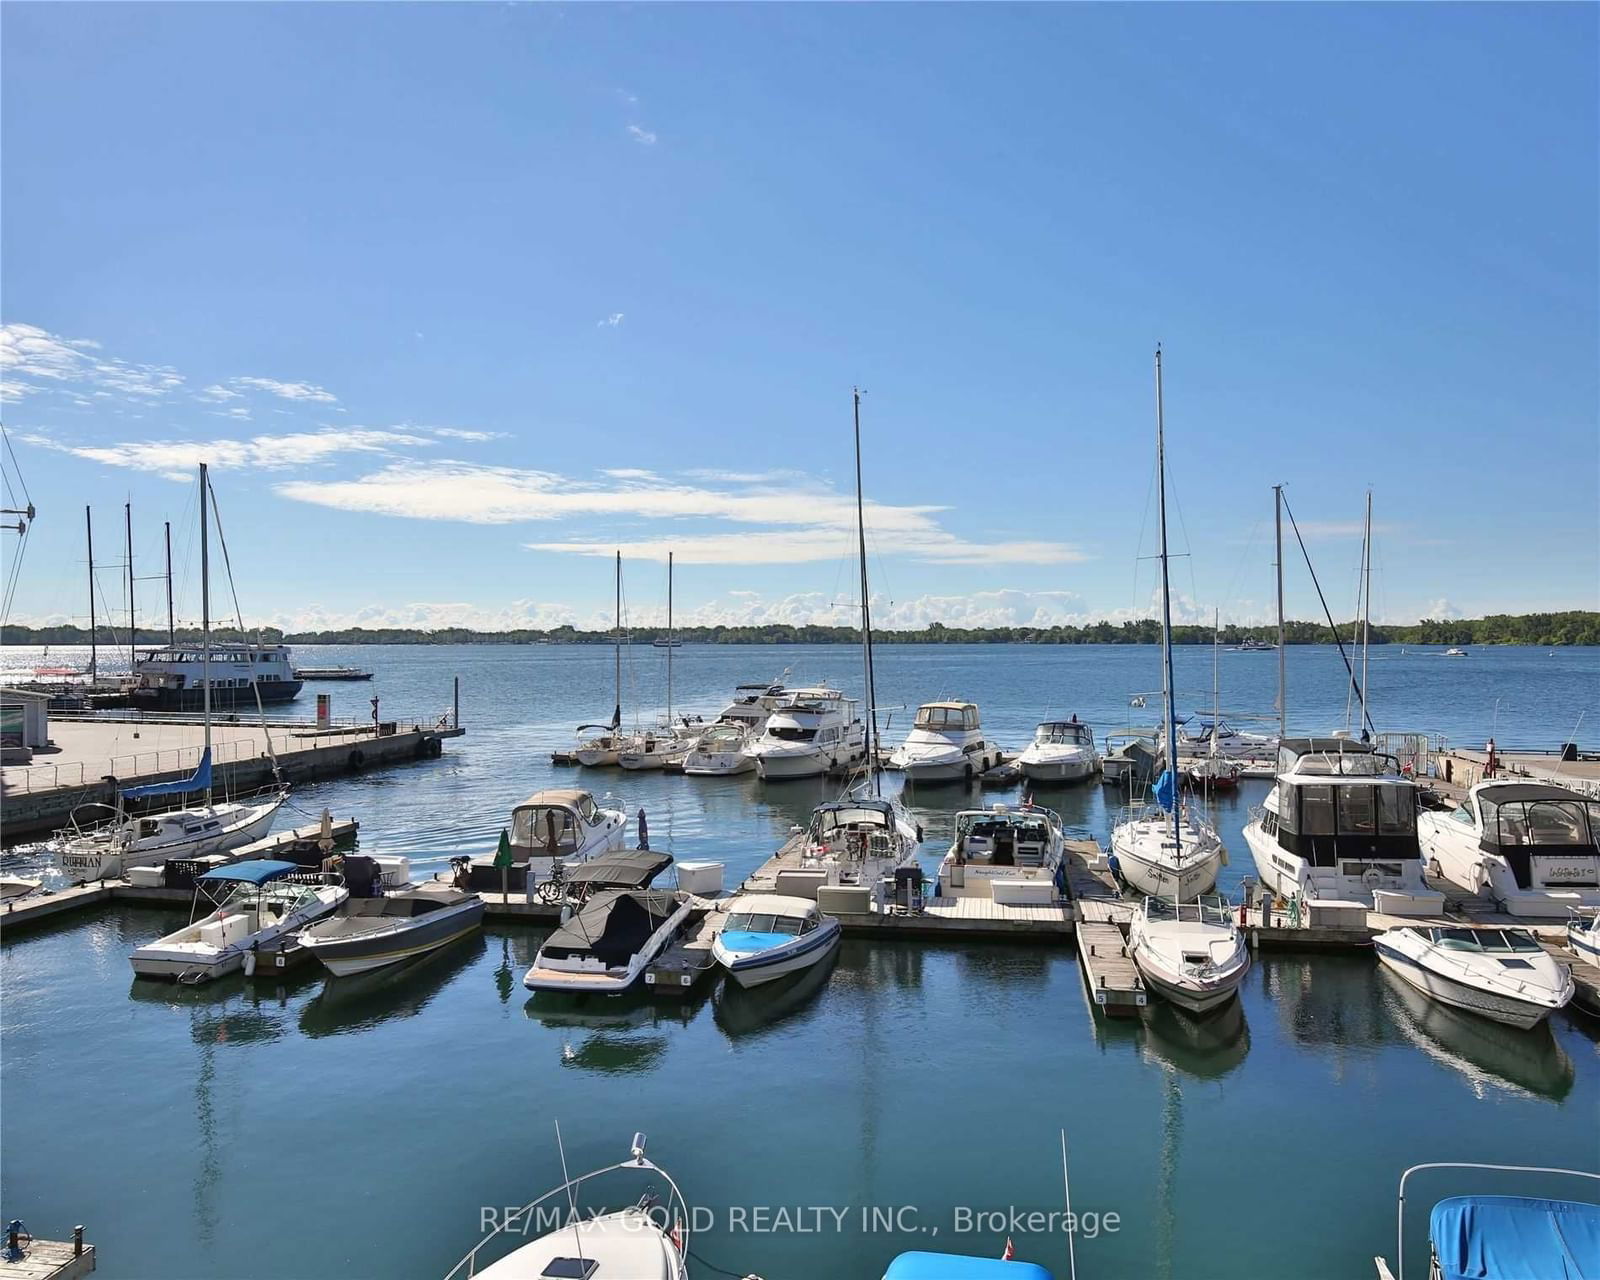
(1328, 1000)
(621, 1035)
(1490, 1056)
(742, 1011)
(363, 1000)
(1206, 1048)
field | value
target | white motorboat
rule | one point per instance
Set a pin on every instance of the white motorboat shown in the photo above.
(606, 946)
(557, 825)
(647, 1240)
(1061, 751)
(1169, 851)
(722, 749)
(1532, 847)
(1455, 653)
(946, 744)
(1010, 853)
(254, 906)
(1193, 953)
(12, 887)
(1583, 936)
(813, 731)
(1503, 974)
(1341, 826)
(768, 936)
(369, 933)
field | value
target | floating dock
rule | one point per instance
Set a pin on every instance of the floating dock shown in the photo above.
(679, 968)
(50, 1259)
(1113, 978)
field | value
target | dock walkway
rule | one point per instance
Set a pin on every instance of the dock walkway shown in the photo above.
(50, 1260)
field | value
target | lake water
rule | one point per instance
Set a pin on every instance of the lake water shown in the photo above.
(356, 1127)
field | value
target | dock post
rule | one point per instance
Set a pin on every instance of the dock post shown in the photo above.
(455, 705)
(77, 1241)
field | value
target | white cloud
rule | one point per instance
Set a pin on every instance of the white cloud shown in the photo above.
(642, 136)
(459, 433)
(1440, 610)
(288, 390)
(33, 360)
(176, 459)
(610, 322)
(217, 392)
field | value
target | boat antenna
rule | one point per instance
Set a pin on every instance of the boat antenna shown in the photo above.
(1283, 688)
(1066, 1187)
(94, 671)
(1170, 713)
(205, 620)
(866, 610)
(572, 1200)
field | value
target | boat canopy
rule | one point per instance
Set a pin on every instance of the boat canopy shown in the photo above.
(199, 780)
(613, 927)
(631, 870)
(950, 1266)
(1510, 1237)
(258, 872)
(1065, 733)
(943, 716)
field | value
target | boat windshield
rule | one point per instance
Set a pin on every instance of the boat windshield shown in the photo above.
(1568, 824)
(1349, 764)
(550, 827)
(754, 922)
(790, 733)
(1207, 909)
(1068, 733)
(943, 719)
(1484, 939)
(830, 820)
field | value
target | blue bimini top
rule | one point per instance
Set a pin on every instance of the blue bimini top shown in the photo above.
(951, 1266)
(258, 872)
(1516, 1238)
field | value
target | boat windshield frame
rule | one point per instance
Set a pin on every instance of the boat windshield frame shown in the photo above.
(1455, 938)
(1208, 908)
(1063, 733)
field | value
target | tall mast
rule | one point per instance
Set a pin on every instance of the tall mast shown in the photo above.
(1283, 689)
(205, 616)
(1171, 715)
(669, 639)
(1216, 686)
(88, 528)
(127, 515)
(616, 646)
(172, 635)
(866, 611)
(1366, 614)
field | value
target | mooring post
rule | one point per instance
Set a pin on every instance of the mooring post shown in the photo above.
(77, 1241)
(455, 705)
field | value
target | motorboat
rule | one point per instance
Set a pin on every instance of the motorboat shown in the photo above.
(813, 731)
(1532, 847)
(625, 869)
(368, 933)
(1455, 653)
(234, 675)
(1501, 1237)
(1193, 953)
(922, 1265)
(562, 825)
(610, 942)
(332, 673)
(1340, 825)
(1252, 645)
(1503, 974)
(1129, 760)
(646, 1240)
(1061, 751)
(769, 936)
(1168, 850)
(1009, 853)
(946, 744)
(1583, 936)
(1207, 735)
(722, 750)
(13, 887)
(253, 905)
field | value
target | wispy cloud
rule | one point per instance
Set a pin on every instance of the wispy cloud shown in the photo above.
(644, 137)
(218, 393)
(610, 322)
(33, 360)
(176, 459)
(461, 433)
(288, 390)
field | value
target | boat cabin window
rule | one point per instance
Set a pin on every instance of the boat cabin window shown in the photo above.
(1357, 812)
(945, 719)
(763, 922)
(1397, 810)
(148, 827)
(790, 733)
(1484, 939)
(1316, 811)
(1567, 824)
(1064, 734)
(587, 809)
(545, 828)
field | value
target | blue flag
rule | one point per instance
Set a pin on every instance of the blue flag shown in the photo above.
(1166, 790)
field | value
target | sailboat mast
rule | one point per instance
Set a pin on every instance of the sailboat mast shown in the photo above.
(1170, 712)
(1283, 689)
(1216, 685)
(88, 528)
(205, 618)
(127, 515)
(172, 635)
(1366, 614)
(669, 639)
(616, 649)
(866, 609)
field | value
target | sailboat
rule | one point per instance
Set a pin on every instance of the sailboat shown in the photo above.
(669, 743)
(1167, 849)
(596, 749)
(108, 850)
(1214, 772)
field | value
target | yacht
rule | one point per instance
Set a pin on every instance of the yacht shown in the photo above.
(369, 933)
(1341, 825)
(606, 946)
(175, 679)
(1020, 846)
(1532, 847)
(1503, 974)
(771, 935)
(946, 744)
(811, 732)
(1252, 645)
(558, 825)
(1455, 653)
(1061, 751)
(722, 748)
(254, 905)
(1193, 953)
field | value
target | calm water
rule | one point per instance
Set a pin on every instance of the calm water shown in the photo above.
(355, 1127)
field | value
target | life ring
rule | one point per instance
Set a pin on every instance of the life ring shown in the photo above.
(1371, 878)
(358, 757)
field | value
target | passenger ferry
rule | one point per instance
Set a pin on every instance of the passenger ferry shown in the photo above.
(174, 679)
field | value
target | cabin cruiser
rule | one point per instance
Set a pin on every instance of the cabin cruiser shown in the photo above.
(1341, 825)
(1015, 849)
(647, 1240)
(1061, 751)
(559, 825)
(368, 933)
(946, 744)
(1193, 953)
(1503, 974)
(1532, 847)
(174, 679)
(722, 749)
(255, 905)
(809, 733)
(769, 936)
(1166, 856)
(606, 946)
(1252, 645)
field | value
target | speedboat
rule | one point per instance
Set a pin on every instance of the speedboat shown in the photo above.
(1061, 751)
(1455, 653)
(647, 1240)
(1167, 857)
(1193, 953)
(946, 744)
(255, 905)
(1583, 936)
(1341, 825)
(12, 887)
(1502, 974)
(559, 825)
(1018, 846)
(769, 935)
(920, 1265)
(1532, 847)
(811, 732)
(607, 945)
(368, 933)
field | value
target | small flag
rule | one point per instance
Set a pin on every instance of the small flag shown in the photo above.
(1009, 1253)
(502, 854)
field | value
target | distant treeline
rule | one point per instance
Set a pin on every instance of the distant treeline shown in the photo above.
(1543, 629)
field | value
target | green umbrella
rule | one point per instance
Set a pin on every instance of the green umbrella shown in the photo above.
(502, 855)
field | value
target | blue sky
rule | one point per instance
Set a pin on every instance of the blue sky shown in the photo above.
(458, 298)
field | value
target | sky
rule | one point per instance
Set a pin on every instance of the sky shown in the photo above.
(457, 300)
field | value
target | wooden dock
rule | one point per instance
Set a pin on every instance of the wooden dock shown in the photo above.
(679, 968)
(1113, 978)
(50, 1260)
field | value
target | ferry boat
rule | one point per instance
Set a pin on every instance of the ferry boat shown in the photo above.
(811, 732)
(1061, 751)
(1341, 825)
(946, 744)
(1009, 854)
(174, 679)
(557, 825)
(1532, 847)
(1502, 974)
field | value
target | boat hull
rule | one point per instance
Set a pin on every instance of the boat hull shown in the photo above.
(1056, 770)
(113, 864)
(358, 954)
(1190, 998)
(752, 970)
(272, 693)
(1182, 881)
(723, 764)
(1521, 1014)
(161, 960)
